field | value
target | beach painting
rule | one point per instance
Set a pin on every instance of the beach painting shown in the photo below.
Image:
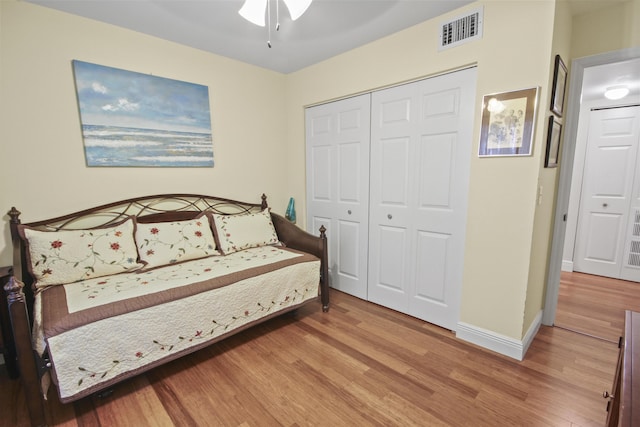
(135, 119)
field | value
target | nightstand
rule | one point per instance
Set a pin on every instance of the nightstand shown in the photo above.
(7, 347)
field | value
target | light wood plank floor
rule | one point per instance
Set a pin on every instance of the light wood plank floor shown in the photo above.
(595, 305)
(358, 365)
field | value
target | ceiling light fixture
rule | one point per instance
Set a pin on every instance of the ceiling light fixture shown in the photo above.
(616, 92)
(254, 11)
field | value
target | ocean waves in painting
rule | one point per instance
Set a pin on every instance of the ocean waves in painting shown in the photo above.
(122, 146)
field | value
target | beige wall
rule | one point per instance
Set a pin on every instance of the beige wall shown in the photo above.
(514, 53)
(543, 222)
(43, 169)
(612, 27)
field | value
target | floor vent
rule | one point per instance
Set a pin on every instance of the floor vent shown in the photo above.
(461, 30)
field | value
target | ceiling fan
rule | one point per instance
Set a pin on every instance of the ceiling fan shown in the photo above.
(255, 11)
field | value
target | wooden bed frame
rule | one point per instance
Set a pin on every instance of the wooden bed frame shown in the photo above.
(158, 208)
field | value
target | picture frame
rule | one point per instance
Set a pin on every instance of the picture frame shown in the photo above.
(554, 130)
(508, 122)
(559, 83)
(131, 119)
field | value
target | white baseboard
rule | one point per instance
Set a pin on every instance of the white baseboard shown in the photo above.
(499, 343)
(567, 266)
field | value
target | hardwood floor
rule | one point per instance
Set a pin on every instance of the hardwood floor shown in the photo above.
(595, 305)
(358, 365)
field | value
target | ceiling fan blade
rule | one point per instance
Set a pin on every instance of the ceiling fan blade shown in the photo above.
(297, 7)
(254, 11)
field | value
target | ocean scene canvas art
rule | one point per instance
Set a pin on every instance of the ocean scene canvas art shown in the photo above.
(135, 119)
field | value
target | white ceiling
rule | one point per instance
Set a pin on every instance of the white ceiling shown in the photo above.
(597, 79)
(328, 27)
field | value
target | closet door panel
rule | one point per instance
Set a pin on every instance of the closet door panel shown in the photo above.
(389, 266)
(321, 175)
(432, 250)
(350, 173)
(337, 139)
(447, 106)
(393, 180)
(393, 152)
(421, 187)
(348, 249)
(436, 157)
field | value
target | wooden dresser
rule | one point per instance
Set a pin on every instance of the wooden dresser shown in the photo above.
(624, 400)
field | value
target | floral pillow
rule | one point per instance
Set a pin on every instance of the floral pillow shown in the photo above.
(66, 256)
(237, 232)
(163, 243)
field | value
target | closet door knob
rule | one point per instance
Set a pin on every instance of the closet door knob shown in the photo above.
(389, 216)
(604, 205)
(349, 211)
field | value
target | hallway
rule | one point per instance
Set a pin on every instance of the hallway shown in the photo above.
(595, 305)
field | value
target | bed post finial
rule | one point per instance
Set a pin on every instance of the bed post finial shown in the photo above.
(264, 204)
(14, 214)
(13, 288)
(324, 270)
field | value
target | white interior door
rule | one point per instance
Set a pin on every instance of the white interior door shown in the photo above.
(337, 144)
(608, 236)
(420, 157)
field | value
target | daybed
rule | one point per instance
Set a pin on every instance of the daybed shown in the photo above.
(115, 290)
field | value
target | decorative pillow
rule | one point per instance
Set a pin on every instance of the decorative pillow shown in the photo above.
(66, 256)
(237, 232)
(163, 243)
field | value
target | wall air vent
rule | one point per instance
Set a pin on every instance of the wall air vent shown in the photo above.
(634, 242)
(461, 30)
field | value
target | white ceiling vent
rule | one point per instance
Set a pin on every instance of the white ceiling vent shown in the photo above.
(460, 30)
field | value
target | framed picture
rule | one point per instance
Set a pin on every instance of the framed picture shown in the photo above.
(507, 123)
(553, 143)
(559, 83)
(140, 120)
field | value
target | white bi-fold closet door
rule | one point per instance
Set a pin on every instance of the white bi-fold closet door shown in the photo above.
(415, 170)
(337, 138)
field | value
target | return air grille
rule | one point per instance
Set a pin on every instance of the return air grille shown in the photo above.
(461, 30)
(634, 243)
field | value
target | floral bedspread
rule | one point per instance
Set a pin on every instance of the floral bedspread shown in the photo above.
(116, 327)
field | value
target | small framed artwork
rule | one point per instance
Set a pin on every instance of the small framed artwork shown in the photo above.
(553, 143)
(507, 123)
(559, 83)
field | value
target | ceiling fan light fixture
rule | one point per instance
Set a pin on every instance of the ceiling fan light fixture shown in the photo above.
(254, 11)
(297, 7)
(616, 92)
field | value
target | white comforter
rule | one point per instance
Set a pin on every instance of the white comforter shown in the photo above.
(129, 331)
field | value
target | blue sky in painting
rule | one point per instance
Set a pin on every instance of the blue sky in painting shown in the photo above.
(114, 97)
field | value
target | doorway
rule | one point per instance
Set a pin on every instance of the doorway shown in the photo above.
(565, 224)
(608, 230)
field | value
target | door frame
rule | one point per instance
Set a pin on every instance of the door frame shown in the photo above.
(564, 185)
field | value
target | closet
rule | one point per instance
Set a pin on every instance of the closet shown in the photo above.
(388, 176)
